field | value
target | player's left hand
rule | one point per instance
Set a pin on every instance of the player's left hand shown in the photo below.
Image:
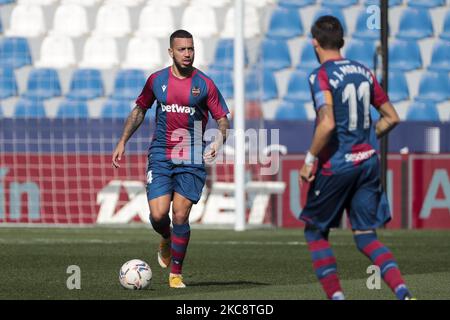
(306, 174)
(211, 154)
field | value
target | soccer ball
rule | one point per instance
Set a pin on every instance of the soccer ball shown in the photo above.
(135, 275)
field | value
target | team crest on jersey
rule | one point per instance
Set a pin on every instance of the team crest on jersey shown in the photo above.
(195, 91)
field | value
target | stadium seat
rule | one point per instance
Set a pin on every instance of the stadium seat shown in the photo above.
(339, 3)
(6, 1)
(1, 25)
(404, 55)
(37, 2)
(422, 111)
(70, 20)
(296, 3)
(155, 22)
(426, 3)
(72, 109)
(224, 54)
(200, 21)
(251, 23)
(274, 54)
(434, 87)
(398, 87)
(392, 3)
(57, 52)
(446, 30)
(128, 84)
(298, 87)
(43, 84)
(8, 83)
(142, 53)
(200, 60)
(84, 3)
(116, 109)
(106, 22)
(171, 3)
(361, 51)
(214, 4)
(86, 84)
(363, 22)
(223, 80)
(26, 21)
(128, 3)
(285, 24)
(334, 11)
(260, 85)
(440, 58)
(29, 108)
(291, 111)
(100, 52)
(415, 24)
(308, 59)
(14, 52)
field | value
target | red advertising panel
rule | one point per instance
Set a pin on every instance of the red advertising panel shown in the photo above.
(430, 191)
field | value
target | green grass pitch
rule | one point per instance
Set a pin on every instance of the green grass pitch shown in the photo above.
(220, 264)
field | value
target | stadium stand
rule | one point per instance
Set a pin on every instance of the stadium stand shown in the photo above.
(85, 3)
(224, 54)
(116, 108)
(14, 52)
(106, 22)
(100, 52)
(57, 52)
(415, 24)
(426, 3)
(361, 51)
(296, 3)
(251, 23)
(334, 11)
(260, 83)
(404, 55)
(37, 2)
(223, 80)
(128, 84)
(156, 22)
(392, 3)
(275, 54)
(308, 60)
(70, 20)
(298, 88)
(446, 29)
(142, 53)
(27, 20)
(290, 111)
(440, 59)
(434, 87)
(86, 84)
(398, 86)
(43, 84)
(285, 24)
(72, 109)
(363, 31)
(421, 111)
(8, 83)
(29, 108)
(196, 17)
(339, 3)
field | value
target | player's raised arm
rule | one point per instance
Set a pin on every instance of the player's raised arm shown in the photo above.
(133, 122)
(388, 120)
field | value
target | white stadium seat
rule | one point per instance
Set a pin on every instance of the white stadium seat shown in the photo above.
(258, 3)
(142, 53)
(128, 3)
(200, 21)
(100, 53)
(84, 3)
(70, 20)
(214, 4)
(251, 23)
(155, 21)
(26, 21)
(113, 20)
(56, 52)
(37, 2)
(170, 3)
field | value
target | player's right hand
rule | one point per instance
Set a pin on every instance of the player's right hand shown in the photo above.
(117, 155)
(306, 174)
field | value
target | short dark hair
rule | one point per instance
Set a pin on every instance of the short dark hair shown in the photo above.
(328, 31)
(179, 34)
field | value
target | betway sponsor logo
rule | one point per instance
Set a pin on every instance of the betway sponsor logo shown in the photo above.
(178, 109)
(359, 156)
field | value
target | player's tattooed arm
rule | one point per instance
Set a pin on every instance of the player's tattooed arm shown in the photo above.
(388, 120)
(133, 122)
(223, 125)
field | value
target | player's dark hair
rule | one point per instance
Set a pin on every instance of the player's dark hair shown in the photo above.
(179, 34)
(328, 31)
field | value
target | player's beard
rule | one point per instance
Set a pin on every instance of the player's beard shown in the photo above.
(184, 68)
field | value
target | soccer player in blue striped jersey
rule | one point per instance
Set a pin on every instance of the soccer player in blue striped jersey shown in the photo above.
(176, 173)
(347, 175)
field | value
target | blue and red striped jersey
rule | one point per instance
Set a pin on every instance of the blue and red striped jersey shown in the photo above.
(351, 89)
(182, 112)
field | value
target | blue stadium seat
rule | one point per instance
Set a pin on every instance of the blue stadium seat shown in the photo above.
(6, 1)
(288, 110)
(298, 87)
(339, 3)
(440, 58)
(308, 59)
(446, 30)
(8, 83)
(404, 55)
(296, 3)
(14, 52)
(361, 51)
(72, 109)
(285, 24)
(362, 30)
(415, 24)
(434, 87)
(333, 11)
(223, 80)
(116, 109)
(398, 87)
(426, 3)
(260, 84)
(29, 108)
(275, 54)
(43, 84)
(224, 54)
(422, 111)
(86, 84)
(392, 3)
(128, 84)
